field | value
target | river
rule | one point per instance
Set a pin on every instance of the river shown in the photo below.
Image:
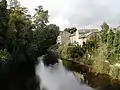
(57, 77)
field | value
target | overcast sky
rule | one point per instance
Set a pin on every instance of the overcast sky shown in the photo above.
(79, 13)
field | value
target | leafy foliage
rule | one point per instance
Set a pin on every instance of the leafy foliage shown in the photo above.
(76, 52)
(100, 64)
(73, 52)
(40, 17)
(110, 39)
(115, 71)
(65, 52)
(3, 23)
(104, 32)
(46, 37)
(4, 55)
(20, 33)
(20, 30)
(116, 42)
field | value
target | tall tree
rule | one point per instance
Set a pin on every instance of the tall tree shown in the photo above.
(116, 42)
(40, 17)
(110, 39)
(104, 32)
(14, 3)
(116, 46)
(3, 23)
(46, 37)
(20, 30)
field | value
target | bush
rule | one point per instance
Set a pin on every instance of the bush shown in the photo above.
(100, 64)
(4, 55)
(65, 52)
(76, 52)
(115, 71)
(72, 52)
(113, 58)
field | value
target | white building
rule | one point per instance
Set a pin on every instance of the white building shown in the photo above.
(77, 38)
(82, 35)
(63, 38)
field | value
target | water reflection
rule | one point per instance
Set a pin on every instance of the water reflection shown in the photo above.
(58, 78)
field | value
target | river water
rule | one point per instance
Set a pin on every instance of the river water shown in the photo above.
(57, 77)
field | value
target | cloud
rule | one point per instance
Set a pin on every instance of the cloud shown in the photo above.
(79, 13)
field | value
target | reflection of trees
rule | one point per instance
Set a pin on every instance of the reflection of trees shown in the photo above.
(17, 77)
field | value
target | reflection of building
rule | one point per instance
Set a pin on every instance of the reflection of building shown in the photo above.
(82, 35)
(63, 38)
(78, 37)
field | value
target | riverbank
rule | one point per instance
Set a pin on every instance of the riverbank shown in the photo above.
(99, 81)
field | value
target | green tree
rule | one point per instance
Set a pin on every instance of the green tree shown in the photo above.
(70, 30)
(116, 46)
(104, 32)
(46, 37)
(13, 3)
(3, 23)
(40, 17)
(25, 36)
(116, 42)
(20, 31)
(76, 52)
(110, 39)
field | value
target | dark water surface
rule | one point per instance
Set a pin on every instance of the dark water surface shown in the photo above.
(58, 78)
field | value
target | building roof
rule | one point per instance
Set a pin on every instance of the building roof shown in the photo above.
(86, 32)
(85, 35)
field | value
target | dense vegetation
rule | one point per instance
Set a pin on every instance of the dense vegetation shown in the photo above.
(22, 39)
(101, 52)
(22, 33)
(71, 30)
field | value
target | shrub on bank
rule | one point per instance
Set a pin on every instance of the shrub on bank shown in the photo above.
(4, 55)
(65, 52)
(115, 71)
(76, 52)
(72, 52)
(100, 64)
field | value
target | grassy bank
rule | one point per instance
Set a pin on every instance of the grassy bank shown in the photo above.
(100, 81)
